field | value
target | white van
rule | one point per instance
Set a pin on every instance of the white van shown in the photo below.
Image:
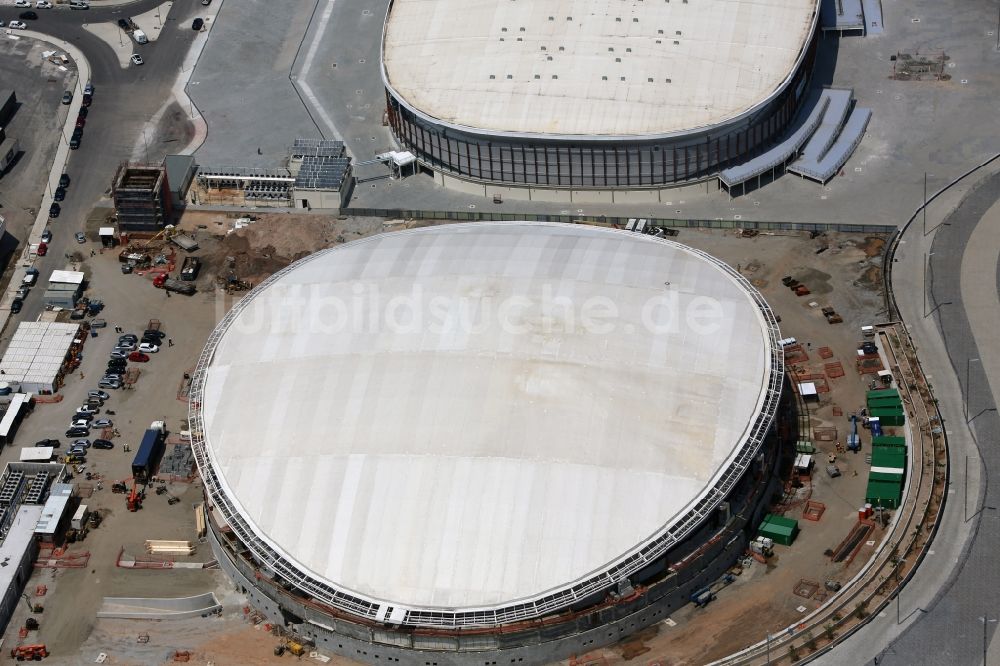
(139, 36)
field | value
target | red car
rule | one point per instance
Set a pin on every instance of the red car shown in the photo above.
(80, 122)
(42, 249)
(138, 357)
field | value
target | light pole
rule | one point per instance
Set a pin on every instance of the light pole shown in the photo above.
(769, 648)
(968, 364)
(985, 620)
(927, 261)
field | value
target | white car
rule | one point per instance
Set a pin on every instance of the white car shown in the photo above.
(136, 59)
(149, 348)
(43, 4)
(22, 3)
(17, 25)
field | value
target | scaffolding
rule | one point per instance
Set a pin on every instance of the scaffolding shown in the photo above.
(141, 196)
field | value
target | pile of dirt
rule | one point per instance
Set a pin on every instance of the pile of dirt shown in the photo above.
(272, 243)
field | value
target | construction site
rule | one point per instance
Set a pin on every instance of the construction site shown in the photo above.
(818, 541)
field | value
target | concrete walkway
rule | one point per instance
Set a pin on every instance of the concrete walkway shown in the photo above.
(160, 608)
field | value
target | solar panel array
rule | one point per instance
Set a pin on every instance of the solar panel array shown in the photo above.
(317, 148)
(322, 172)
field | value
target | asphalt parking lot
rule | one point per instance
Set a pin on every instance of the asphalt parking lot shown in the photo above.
(37, 123)
(241, 84)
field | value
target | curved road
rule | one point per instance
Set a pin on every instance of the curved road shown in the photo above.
(124, 100)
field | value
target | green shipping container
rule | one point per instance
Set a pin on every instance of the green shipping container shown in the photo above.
(885, 403)
(804, 446)
(889, 441)
(888, 417)
(779, 529)
(885, 494)
(887, 476)
(882, 393)
(883, 456)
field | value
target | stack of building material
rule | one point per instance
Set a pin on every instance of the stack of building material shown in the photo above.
(166, 547)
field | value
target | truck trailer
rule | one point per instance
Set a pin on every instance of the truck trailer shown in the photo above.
(149, 453)
(170, 284)
(190, 268)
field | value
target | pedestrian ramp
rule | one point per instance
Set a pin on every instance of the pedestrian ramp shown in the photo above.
(159, 608)
(813, 147)
(823, 167)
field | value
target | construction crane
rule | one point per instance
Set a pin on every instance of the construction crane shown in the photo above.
(134, 499)
(166, 232)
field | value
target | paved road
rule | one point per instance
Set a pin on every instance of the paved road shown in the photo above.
(936, 618)
(123, 101)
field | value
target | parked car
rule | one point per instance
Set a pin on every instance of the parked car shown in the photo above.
(128, 337)
(77, 432)
(109, 383)
(113, 375)
(103, 444)
(67, 97)
(149, 348)
(88, 89)
(102, 423)
(28, 16)
(59, 194)
(80, 122)
(197, 24)
(87, 99)
(98, 323)
(77, 133)
(79, 454)
(98, 394)
(127, 345)
(80, 237)
(138, 357)
(82, 113)
(22, 3)
(29, 279)
(46, 236)
(43, 4)
(206, 2)
(85, 443)
(120, 353)
(17, 25)
(43, 249)
(16, 305)
(136, 59)
(86, 410)
(54, 443)
(54, 210)
(155, 334)
(74, 143)
(23, 291)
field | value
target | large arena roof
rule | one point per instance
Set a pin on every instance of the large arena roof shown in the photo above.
(592, 67)
(460, 416)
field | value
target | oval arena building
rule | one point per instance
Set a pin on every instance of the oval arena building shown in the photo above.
(486, 443)
(593, 94)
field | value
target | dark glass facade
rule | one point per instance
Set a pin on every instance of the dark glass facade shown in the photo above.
(581, 162)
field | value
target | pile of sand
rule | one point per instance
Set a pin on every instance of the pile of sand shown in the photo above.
(271, 243)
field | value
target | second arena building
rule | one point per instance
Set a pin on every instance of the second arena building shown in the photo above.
(594, 94)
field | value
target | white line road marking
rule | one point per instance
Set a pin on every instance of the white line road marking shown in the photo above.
(307, 65)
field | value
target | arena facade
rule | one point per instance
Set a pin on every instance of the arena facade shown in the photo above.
(553, 94)
(487, 443)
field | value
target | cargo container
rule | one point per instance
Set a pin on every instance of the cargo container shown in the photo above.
(888, 417)
(780, 529)
(80, 517)
(149, 453)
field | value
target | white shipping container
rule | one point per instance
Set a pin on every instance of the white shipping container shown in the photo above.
(80, 517)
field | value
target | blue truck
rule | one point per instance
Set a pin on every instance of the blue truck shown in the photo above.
(149, 453)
